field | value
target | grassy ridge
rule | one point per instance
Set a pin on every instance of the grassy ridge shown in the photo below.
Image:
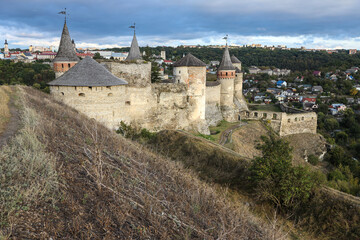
(105, 186)
(4, 106)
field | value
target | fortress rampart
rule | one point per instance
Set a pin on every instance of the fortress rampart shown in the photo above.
(285, 123)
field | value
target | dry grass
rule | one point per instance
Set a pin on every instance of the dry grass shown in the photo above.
(27, 175)
(246, 138)
(4, 106)
(112, 188)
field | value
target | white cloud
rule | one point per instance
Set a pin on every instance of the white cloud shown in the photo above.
(25, 36)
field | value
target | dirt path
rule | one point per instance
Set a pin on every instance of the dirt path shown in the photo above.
(227, 133)
(14, 123)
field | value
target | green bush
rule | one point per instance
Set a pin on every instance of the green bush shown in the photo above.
(313, 160)
(275, 178)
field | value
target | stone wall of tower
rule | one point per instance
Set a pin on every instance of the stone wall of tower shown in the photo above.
(61, 67)
(135, 73)
(226, 79)
(238, 85)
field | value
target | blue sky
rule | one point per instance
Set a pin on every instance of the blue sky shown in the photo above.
(310, 23)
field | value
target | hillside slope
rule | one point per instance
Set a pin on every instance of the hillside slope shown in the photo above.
(246, 138)
(63, 176)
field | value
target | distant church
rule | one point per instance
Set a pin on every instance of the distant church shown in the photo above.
(115, 91)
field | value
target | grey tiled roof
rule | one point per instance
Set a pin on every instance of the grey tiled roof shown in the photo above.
(235, 59)
(190, 61)
(88, 73)
(66, 51)
(237, 70)
(134, 53)
(226, 63)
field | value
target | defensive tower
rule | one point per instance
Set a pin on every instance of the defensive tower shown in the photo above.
(66, 56)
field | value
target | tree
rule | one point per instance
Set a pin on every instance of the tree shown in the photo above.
(275, 178)
(155, 75)
(331, 124)
(97, 56)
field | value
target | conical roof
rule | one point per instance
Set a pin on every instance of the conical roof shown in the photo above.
(88, 73)
(190, 61)
(134, 53)
(66, 51)
(226, 63)
(235, 59)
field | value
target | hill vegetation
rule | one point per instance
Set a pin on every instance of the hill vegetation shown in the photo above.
(295, 60)
(63, 176)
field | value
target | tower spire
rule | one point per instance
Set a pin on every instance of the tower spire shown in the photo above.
(226, 63)
(134, 53)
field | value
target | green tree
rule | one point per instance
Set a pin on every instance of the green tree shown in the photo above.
(97, 56)
(276, 179)
(331, 124)
(155, 75)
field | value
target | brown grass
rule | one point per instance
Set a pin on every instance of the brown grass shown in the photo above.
(112, 188)
(4, 106)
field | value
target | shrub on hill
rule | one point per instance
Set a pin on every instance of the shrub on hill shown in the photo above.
(275, 178)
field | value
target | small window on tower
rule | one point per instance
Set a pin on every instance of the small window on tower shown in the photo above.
(81, 94)
(62, 65)
(127, 103)
(69, 65)
(226, 73)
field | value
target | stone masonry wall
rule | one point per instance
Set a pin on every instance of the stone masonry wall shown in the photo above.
(283, 123)
(135, 73)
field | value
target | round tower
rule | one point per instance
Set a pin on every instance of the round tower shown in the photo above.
(66, 56)
(6, 48)
(226, 77)
(238, 84)
(191, 71)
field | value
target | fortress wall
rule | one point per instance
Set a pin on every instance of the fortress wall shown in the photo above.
(157, 107)
(213, 94)
(284, 123)
(100, 103)
(298, 123)
(238, 86)
(135, 73)
(212, 108)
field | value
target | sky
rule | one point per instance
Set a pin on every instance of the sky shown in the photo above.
(331, 24)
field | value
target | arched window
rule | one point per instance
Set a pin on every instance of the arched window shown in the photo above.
(302, 118)
(255, 114)
(226, 73)
(82, 94)
(274, 116)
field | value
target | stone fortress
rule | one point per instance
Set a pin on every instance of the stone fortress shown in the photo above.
(114, 91)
